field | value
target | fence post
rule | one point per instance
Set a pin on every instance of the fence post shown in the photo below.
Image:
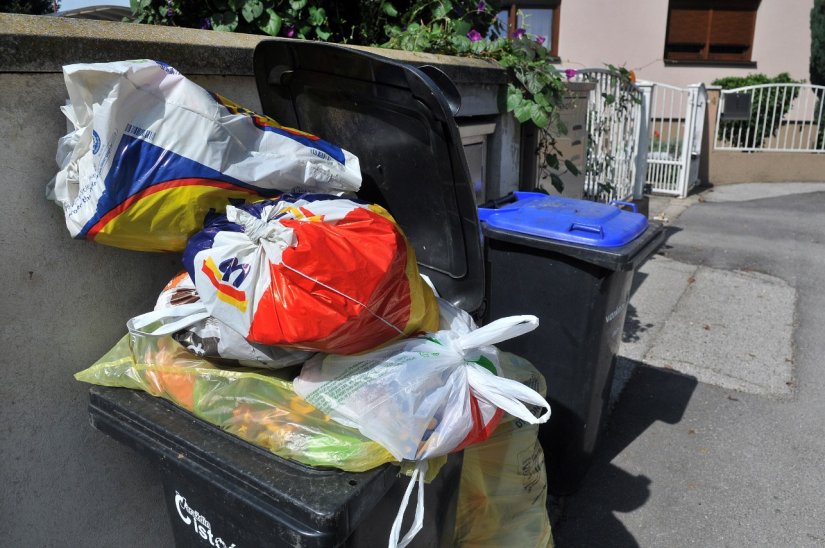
(642, 138)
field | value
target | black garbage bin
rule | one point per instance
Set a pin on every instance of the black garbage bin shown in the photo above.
(571, 263)
(400, 125)
(221, 491)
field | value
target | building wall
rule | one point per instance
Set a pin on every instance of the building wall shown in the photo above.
(632, 34)
(66, 301)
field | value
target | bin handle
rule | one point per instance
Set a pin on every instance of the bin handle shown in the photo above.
(593, 229)
(496, 203)
(631, 205)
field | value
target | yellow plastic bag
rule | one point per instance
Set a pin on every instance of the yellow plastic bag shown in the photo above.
(256, 405)
(503, 494)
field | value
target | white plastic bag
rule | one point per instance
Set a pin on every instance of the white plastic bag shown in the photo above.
(424, 397)
(152, 152)
(179, 312)
(421, 397)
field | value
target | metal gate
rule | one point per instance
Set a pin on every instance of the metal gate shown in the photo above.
(614, 119)
(674, 138)
(771, 118)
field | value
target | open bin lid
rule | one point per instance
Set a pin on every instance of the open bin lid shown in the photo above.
(398, 122)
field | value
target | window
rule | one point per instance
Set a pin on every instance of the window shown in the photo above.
(710, 31)
(540, 18)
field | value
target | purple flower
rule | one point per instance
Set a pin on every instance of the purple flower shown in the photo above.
(206, 24)
(474, 35)
(519, 33)
(570, 73)
(170, 12)
(540, 40)
(481, 6)
(290, 32)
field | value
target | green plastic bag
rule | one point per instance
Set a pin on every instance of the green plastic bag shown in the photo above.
(256, 405)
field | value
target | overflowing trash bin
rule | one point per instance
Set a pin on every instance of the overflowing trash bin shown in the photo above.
(571, 262)
(195, 407)
(221, 491)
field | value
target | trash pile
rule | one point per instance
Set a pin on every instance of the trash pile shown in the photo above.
(300, 322)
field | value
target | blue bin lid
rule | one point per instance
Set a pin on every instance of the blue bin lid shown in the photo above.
(566, 219)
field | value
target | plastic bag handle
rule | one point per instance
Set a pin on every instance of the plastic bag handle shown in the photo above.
(497, 331)
(507, 394)
(418, 521)
(183, 316)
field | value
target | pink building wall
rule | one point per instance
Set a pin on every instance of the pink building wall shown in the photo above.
(631, 33)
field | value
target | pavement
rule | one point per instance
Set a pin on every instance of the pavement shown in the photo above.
(717, 430)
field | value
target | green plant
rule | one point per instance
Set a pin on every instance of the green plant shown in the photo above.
(469, 28)
(817, 62)
(29, 7)
(764, 119)
(360, 22)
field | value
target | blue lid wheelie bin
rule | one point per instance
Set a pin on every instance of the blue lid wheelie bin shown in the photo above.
(222, 491)
(571, 263)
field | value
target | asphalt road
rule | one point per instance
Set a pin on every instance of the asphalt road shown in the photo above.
(718, 437)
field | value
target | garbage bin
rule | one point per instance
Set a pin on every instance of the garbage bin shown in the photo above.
(221, 491)
(571, 263)
(400, 125)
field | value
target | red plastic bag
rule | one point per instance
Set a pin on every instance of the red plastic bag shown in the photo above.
(315, 272)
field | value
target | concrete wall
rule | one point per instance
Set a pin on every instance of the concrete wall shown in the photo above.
(595, 32)
(66, 301)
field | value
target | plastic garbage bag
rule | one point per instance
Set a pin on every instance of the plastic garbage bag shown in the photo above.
(258, 406)
(315, 272)
(503, 493)
(179, 312)
(152, 152)
(424, 397)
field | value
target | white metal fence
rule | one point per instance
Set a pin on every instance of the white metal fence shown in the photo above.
(674, 137)
(771, 118)
(614, 125)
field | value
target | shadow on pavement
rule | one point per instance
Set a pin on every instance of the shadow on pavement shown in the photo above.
(587, 518)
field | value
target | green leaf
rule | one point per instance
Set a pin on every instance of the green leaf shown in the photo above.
(533, 82)
(462, 27)
(478, 46)
(542, 100)
(514, 98)
(317, 16)
(557, 183)
(524, 111)
(442, 9)
(226, 21)
(389, 9)
(252, 10)
(460, 43)
(561, 128)
(609, 98)
(539, 116)
(273, 24)
(571, 167)
(297, 4)
(144, 4)
(322, 34)
(552, 161)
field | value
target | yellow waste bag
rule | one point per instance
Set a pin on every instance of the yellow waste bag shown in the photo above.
(503, 494)
(258, 406)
